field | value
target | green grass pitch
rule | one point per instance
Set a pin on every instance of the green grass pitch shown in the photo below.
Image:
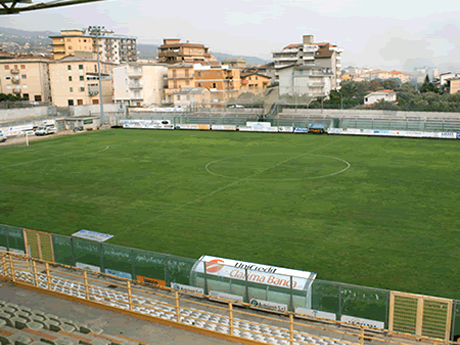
(379, 212)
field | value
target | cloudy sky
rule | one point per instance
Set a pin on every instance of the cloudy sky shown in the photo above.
(386, 34)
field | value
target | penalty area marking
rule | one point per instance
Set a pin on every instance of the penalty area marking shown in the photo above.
(283, 179)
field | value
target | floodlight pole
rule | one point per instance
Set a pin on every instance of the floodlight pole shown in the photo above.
(99, 31)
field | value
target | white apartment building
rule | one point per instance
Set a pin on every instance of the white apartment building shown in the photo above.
(26, 78)
(310, 53)
(305, 80)
(139, 84)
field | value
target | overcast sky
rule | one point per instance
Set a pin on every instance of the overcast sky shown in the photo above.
(386, 34)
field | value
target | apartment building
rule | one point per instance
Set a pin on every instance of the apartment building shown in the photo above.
(75, 81)
(306, 80)
(234, 62)
(223, 82)
(181, 75)
(112, 48)
(139, 84)
(254, 82)
(309, 53)
(26, 78)
(172, 51)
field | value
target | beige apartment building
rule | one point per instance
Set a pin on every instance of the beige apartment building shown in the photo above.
(181, 75)
(172, 51)
(26, 78)
(75, 81)
(112, 48)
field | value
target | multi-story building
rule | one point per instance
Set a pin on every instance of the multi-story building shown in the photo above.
(234, 62)
(173, 51)
(75, 81)
(309, 53)
(26, 78)
(223, 82)
(181, 75)
(112, 48)
(139, 84)
(254, 83)
(305, 80)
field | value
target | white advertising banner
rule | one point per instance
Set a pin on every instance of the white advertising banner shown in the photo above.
(285, 129)
(362, 322)
(223, 295)
(88, 267)
(258, 129)
(223, 127)
(187, 288)
(193, 126)
(393, 133)
(92, 235)
(316, 313)
(259, 303)
(258, 124)
(147, 124)
(158, 110)
(262, 274)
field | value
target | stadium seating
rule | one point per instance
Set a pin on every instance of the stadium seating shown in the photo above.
(21, 318)
(21, 325)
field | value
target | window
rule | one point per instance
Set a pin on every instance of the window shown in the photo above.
(38, 98)
(250, 78)
(24, 86)
(23, 66)
(7, 66)
(24, 76)
(70, 102)
(84, 40)
(25, 96)
(69, 40)
(188, 98)
(80, 66)
(174, 73)
(169, 99)
(186, 72)
(8, 87)
(8, 77)
(199, 74)
(70, 78)
(69, 67)
(71, 89)
(199, 84)
(214, 85)
(70, 47)
(218, 74)
(95, 68)
(187, 82)
(15, 66)
(82, 89)
(82, 78)
(79, 102)
(178, 97)
(257, 78)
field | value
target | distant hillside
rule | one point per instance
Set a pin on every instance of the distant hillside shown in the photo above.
(22, 41)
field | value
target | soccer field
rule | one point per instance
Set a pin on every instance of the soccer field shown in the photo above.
(379, 212)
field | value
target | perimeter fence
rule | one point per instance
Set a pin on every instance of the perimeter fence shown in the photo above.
(326, 299)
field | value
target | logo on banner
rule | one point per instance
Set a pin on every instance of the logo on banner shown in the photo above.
(213, 266)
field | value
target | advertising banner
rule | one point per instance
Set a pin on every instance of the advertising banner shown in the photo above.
(262, 274)
(223, 295)
(258, 303)
(147, 280)
(223, 127)
(286, 129)
(316, 313)
(300, 129)
(118, 273)
(393, 133)
(92, 235)
(187, 288)
(88, 267)
(362, 322)
(193, 126)
(257, 129)
(258, 124)
(147, 124)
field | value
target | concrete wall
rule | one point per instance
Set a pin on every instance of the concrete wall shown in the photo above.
(23, 113)
(368, 113)
(94, 109)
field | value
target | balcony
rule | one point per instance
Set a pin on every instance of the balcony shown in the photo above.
(14, 71)
(308, 58)
(315, 84)
(135, 73)
(135, 85)
(310, 48)
(93, 90)
(294, 58)
(15, 80)
(17, 90)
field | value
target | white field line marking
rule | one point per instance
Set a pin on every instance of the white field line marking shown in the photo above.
(222, 188)
(284, 179)
(47, 158)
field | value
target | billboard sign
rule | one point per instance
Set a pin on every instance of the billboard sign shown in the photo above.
(92, 235)
(257, 273)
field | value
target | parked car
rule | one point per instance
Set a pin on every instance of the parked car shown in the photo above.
(44, 130)
(2, 136)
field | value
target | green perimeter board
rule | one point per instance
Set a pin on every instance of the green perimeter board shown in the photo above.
(389, 221)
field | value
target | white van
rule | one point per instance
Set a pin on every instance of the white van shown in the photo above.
(2, 136)
(46, 129)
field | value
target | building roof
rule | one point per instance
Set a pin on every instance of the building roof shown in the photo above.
(249, 74)
(71, 58)
(190, 90)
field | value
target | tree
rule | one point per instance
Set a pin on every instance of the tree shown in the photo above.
(428, 86)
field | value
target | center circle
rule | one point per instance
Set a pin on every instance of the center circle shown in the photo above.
(277, 167)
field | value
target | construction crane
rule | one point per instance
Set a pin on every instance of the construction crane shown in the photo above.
(18, 6)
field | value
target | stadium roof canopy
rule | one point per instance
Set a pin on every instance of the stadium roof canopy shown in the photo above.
(18, 6)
